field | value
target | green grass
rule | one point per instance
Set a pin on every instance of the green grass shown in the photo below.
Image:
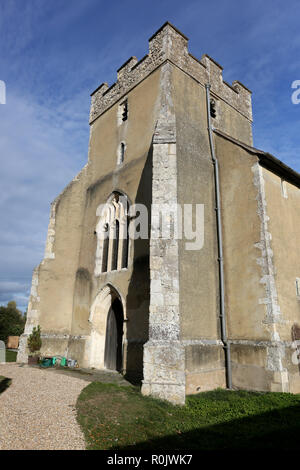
(114, 417)
(11, 356)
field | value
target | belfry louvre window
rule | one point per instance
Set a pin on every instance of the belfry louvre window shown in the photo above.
(112, 235)
(213, 111)
(123, 112)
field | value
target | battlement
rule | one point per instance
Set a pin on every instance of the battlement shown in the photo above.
(169, 44)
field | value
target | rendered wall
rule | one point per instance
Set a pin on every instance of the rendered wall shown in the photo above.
(243, 290)
(64, 286)
(283, 208)
(198, 273)
(261, 229)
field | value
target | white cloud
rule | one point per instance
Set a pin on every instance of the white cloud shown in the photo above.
(39, 155)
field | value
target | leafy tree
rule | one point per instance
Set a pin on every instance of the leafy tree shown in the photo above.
(12, 322)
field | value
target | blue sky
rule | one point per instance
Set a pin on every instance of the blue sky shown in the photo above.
(55, 53)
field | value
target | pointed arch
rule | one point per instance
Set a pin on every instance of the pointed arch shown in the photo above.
(106, 318)
(112, 234)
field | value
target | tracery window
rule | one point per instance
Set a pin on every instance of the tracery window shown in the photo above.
(112, 235)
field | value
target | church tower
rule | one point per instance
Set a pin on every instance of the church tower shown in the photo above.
(171, 140)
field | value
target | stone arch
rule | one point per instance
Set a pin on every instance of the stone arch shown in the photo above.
(112, 232)
(107, 302)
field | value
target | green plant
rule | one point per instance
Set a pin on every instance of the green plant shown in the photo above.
(34, 340)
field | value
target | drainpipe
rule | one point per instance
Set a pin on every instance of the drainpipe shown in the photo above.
(224, 339)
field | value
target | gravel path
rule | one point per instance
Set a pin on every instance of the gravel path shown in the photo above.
(38, 411)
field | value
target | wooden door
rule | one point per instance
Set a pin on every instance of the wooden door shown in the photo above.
(114, 336)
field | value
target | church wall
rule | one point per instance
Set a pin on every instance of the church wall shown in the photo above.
(66, 282)
(133, 178)
(245, 311)
(283, 201)
(199, 282)
(198, 276)
(262, 307)
(57, 275)
(241, 229)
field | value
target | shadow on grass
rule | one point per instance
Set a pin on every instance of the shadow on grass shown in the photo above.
(136, 381)
(4, 384)
(278, 429)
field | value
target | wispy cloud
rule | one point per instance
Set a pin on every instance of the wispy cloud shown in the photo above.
(38, 158)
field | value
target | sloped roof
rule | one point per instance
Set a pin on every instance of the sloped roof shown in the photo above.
(267, 160)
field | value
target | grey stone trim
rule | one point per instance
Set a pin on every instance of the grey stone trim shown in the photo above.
(276, 348)
(168, 44)
(63, 336)
(242, 342)
(49, 249)
(202, 342)
(265, 343)
(164, 355)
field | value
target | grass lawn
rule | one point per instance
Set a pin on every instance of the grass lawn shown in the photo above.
(114, 417)
(11, 356)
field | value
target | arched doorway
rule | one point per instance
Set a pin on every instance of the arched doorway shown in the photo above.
(105, 345)
(114, 337)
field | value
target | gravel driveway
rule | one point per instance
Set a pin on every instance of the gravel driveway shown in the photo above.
(38, 411)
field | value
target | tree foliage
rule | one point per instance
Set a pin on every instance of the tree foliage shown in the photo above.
(12, 322)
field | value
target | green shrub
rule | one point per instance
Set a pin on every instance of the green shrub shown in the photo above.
(34, 340)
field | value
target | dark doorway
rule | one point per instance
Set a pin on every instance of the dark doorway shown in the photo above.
(114, 337)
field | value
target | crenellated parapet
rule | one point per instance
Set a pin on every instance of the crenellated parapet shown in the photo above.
(169, 44)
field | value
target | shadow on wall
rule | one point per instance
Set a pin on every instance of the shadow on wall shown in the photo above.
(138, 297)
(278, 429)
(295, 334)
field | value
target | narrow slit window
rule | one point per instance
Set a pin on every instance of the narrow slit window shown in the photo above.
(125, 246)
(213, 110)
(115, 249)
(105, 252)
(298, 287)
(121, 153)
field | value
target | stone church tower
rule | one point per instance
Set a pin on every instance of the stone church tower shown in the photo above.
(170, 132)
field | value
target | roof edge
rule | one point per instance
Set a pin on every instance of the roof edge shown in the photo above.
(267, 160)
